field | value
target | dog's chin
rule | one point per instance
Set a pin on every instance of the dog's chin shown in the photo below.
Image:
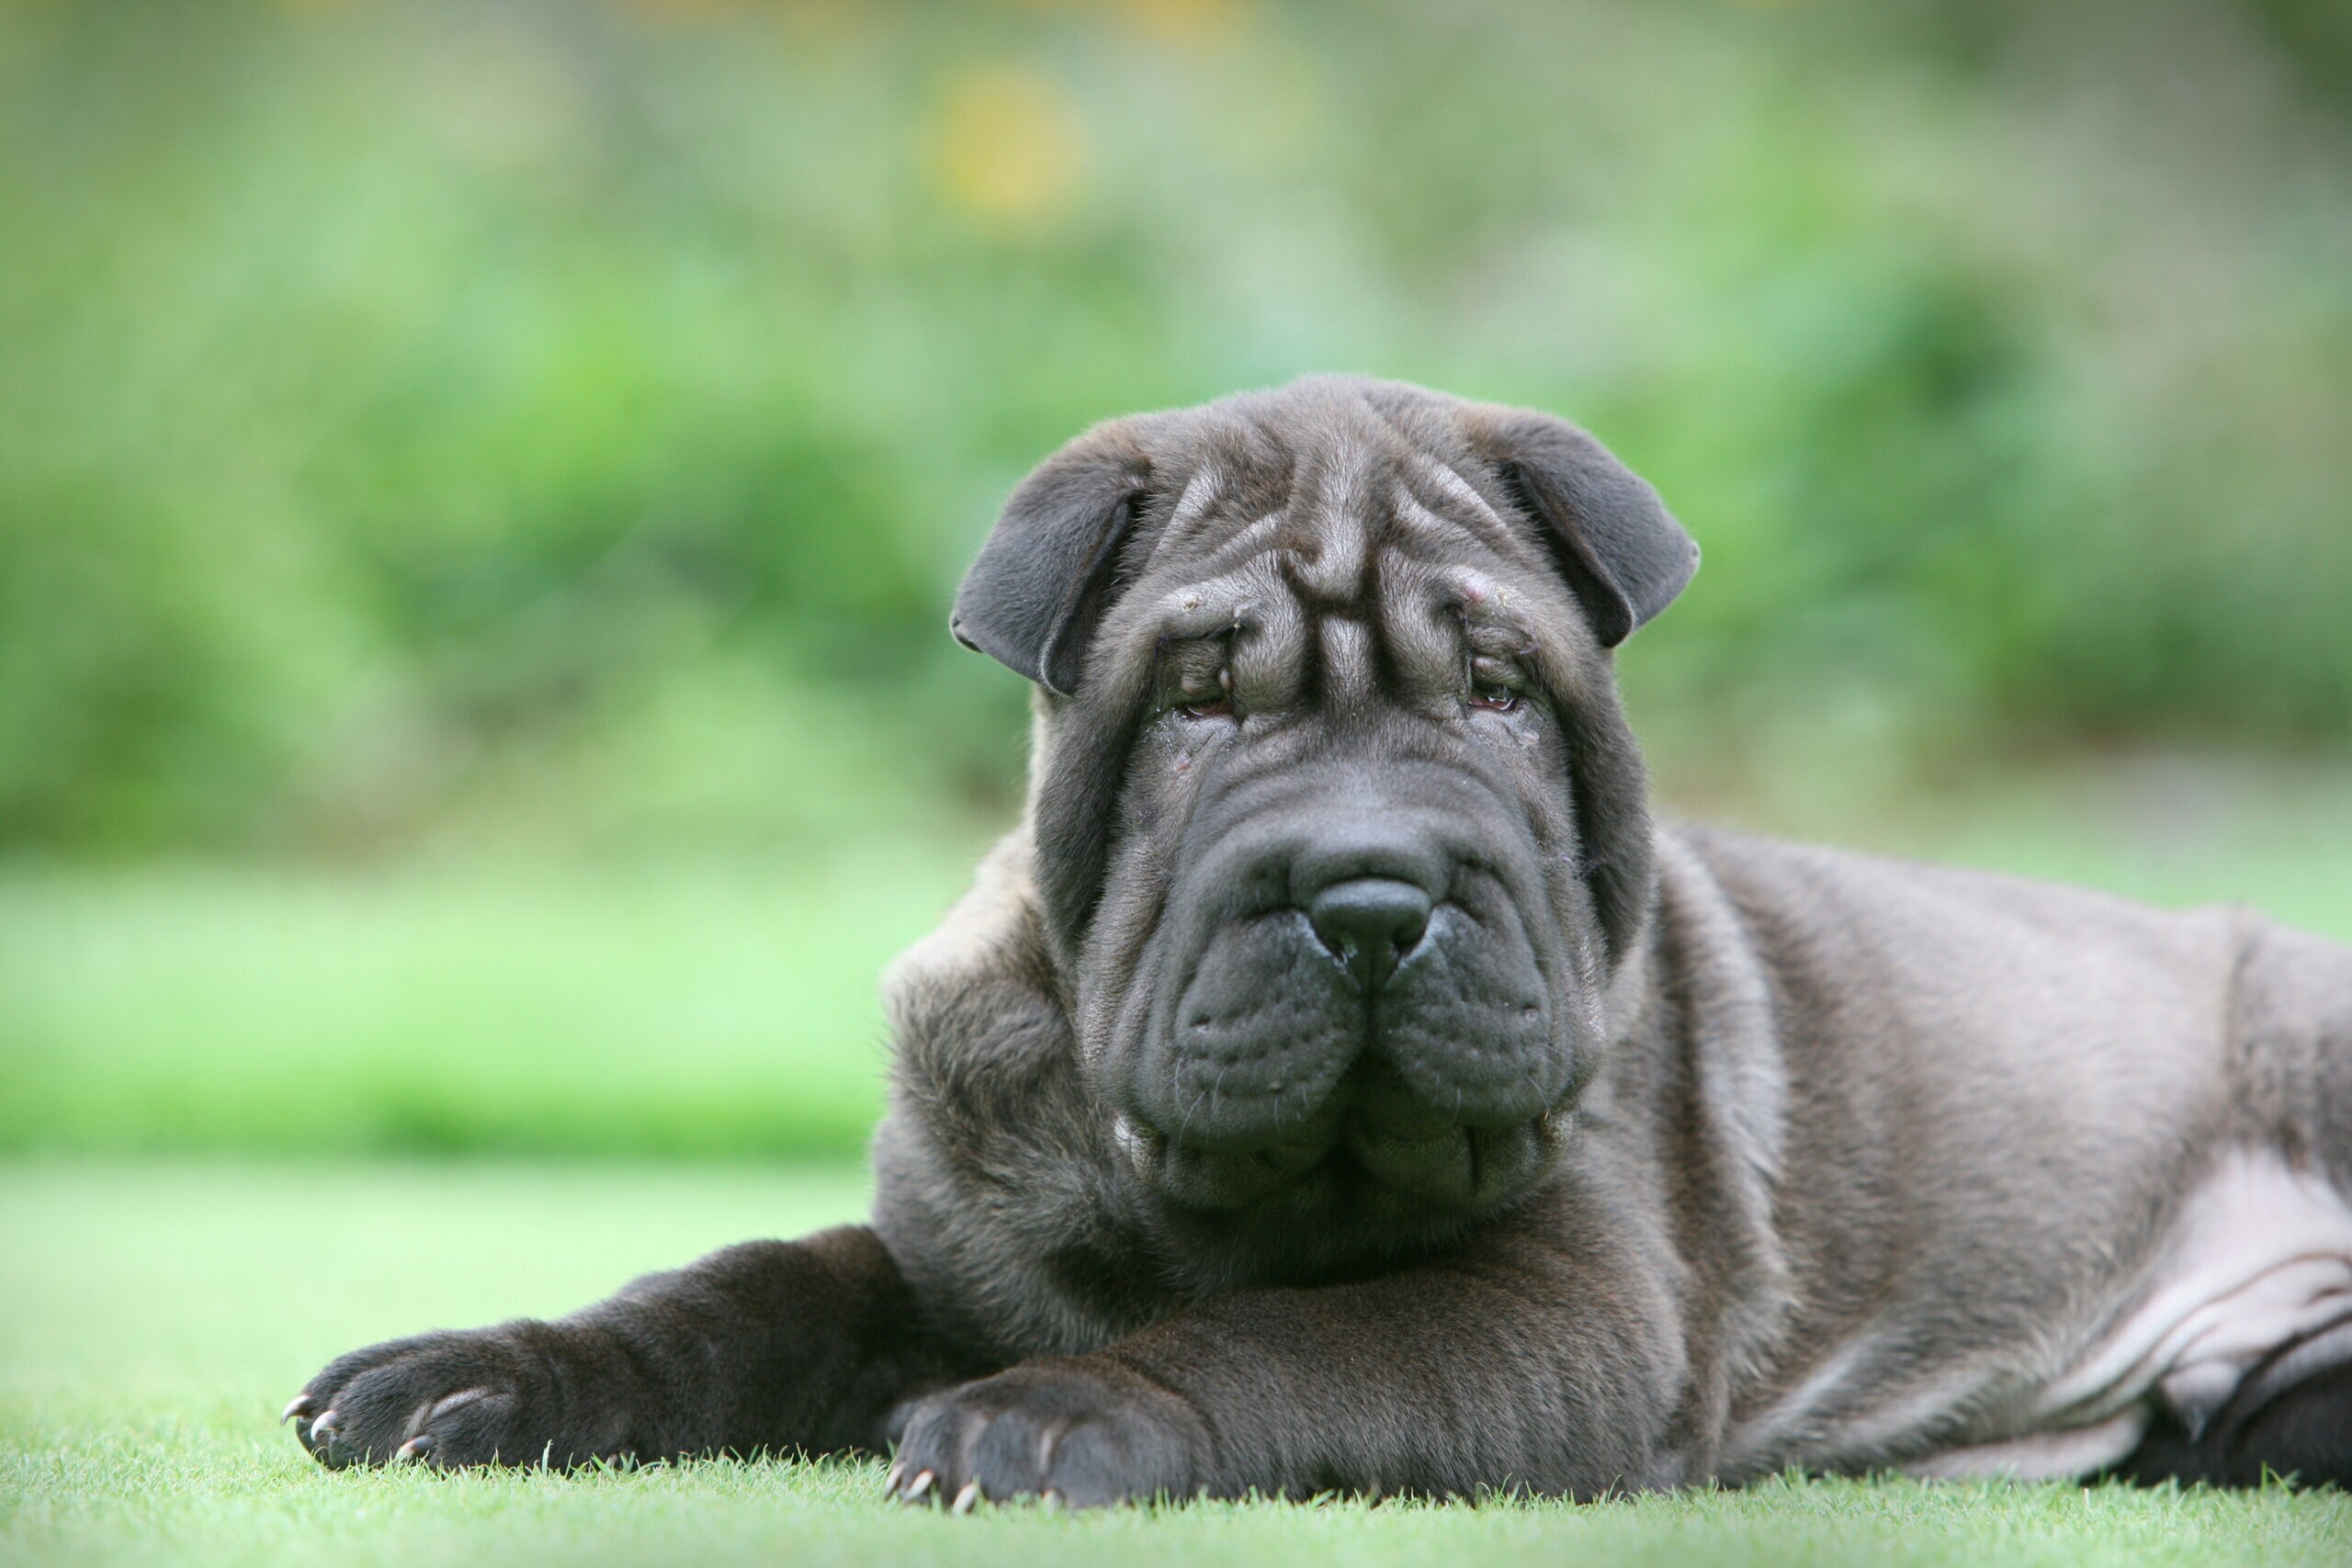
(1352, 1170)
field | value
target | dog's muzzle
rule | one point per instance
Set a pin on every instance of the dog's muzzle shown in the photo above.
(1369, 1031)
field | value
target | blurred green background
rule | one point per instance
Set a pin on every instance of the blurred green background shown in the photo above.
(481, 483)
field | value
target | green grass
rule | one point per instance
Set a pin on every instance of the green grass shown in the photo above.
(672, 1009)
(157, 1314)
(732, 1010)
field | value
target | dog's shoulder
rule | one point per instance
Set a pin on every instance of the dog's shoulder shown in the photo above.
(992, 1186)
(982, 1047)
(988, 934)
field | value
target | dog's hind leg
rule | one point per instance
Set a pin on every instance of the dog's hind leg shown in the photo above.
(2291, 1064)
(2291, 1418)
(2291, 1412)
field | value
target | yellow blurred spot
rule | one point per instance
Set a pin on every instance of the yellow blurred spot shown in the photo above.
(682, 10)
(1193, 22)
(821, 21)
(1185, 22)
(1006, 143)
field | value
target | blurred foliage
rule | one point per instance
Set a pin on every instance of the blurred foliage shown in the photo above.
(569, 420)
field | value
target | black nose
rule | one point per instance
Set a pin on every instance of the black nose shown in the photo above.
(1369, 923)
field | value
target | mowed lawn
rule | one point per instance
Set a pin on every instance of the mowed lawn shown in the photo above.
(157, 1314)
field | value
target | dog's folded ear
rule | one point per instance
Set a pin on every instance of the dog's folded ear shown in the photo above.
(1034, 598)
(1619, 547)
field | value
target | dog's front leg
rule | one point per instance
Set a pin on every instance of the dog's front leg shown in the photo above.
(774, 1345)
(1443, 1381)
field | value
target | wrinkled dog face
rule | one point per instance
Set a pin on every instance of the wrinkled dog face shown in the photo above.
(1339, 829)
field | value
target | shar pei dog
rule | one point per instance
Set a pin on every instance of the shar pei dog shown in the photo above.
(1339, 1082)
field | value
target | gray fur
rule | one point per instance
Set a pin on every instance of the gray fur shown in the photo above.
(1338, 1080)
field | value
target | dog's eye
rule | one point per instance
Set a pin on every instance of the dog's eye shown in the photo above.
(1493, 698)
(1494, 684)
(1206, 699)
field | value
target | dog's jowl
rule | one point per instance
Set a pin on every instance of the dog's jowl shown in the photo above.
(1340, 1081)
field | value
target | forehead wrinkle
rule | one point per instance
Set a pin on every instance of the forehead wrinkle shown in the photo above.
(1454, 497)
(1249, 541)
(1252, 601)
(1415, 519)
(1350, 662)
(1421, 622)
(1458, 490)
(1496, 580)
(1212, 604)
(1194, 505)
(1434, 608)
(1338, 527)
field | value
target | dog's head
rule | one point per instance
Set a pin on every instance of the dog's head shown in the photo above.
(1340, 834)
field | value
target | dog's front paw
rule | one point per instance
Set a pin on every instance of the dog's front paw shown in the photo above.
(1085, 1433)
(521, 1393)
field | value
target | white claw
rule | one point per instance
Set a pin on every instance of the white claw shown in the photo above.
(1051, 1502)
(890, 1481)
(294, 1406)
(966, 1498)
(413, 1447)
(919, 1485)
(321, 1428)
